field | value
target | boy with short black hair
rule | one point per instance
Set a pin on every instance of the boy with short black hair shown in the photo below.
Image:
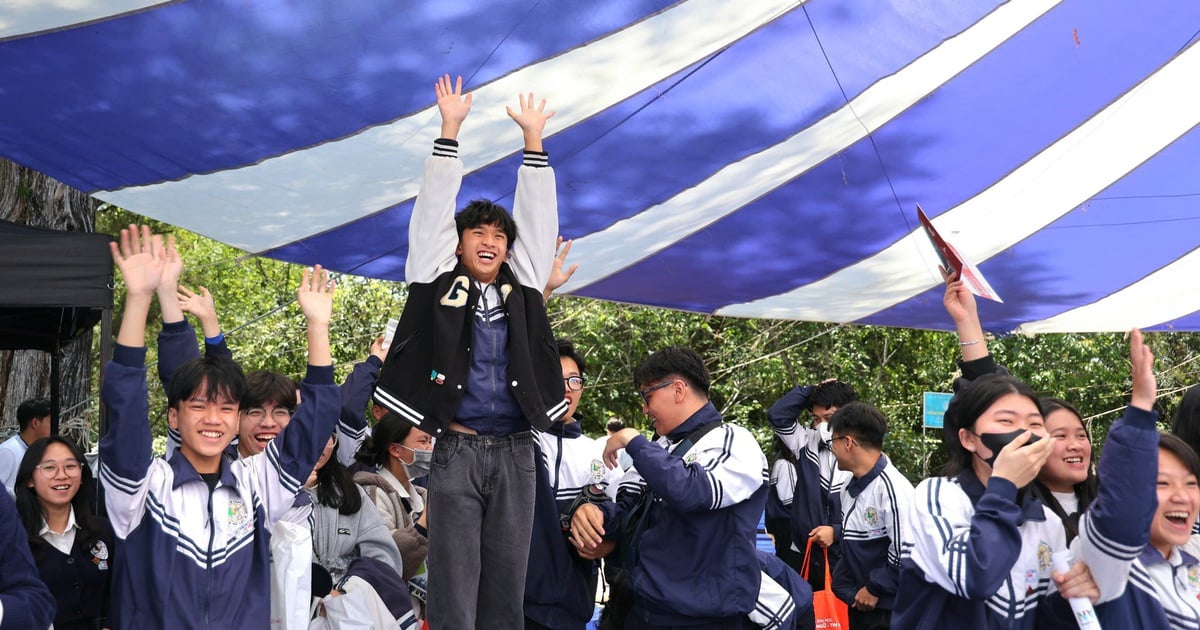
(195, 527)
(474, 363)
(816, 504)
(873, 507)
(33, 423)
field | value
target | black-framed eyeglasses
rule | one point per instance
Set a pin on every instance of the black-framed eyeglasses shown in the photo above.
(573, 383)
(840, 437)
(645, 393)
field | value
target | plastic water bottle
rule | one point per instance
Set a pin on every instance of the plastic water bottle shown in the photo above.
(1085, 615)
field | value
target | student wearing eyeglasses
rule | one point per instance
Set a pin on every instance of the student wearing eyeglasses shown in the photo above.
(560, 586)
(71, 546)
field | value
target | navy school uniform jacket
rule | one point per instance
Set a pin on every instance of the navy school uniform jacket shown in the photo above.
(26, 601)
(558, 583)
(974, 556)
(695, 562)
(356, 393)
(195, 558)
(874, 508)
(783, 484)
(816, 499)
(1139, 587)
(80, 581)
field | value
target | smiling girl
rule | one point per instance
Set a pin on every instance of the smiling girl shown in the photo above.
(71, 546)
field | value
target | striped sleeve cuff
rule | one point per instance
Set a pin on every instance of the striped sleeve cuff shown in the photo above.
(536, 159)
(445, 147)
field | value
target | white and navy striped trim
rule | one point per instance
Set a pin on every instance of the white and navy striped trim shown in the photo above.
(557, 410)
(125, 485)
(394, 405)
(190, 548)
(289, 483)
(536, 159)
(490, 314)
(445, 148)
(1106, 545)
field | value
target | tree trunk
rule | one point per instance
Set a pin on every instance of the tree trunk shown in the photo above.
(30, 198)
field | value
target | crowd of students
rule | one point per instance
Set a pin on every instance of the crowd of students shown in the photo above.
(975, 547)
(476, 395)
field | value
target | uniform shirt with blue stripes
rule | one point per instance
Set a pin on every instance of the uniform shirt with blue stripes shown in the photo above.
(874, 507)
(559, 585)
(194, 557)
(1139, 586)
(980, 556)
(696, 560)
(816, 498)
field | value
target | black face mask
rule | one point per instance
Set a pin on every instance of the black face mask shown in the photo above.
(997, 441)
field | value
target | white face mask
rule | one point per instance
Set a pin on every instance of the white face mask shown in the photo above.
(824, 431)
(421, 462)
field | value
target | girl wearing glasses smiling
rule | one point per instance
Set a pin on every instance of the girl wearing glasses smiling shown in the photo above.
(71, 546)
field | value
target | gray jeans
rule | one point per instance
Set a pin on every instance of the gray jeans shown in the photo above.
(481, 492)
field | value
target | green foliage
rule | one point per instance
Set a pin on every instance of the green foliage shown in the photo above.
(256, 305)
(753, 362)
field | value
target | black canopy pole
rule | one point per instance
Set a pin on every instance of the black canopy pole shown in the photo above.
(55, 389)
(106, 352)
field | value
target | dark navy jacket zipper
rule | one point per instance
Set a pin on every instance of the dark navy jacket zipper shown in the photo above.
(212, 532)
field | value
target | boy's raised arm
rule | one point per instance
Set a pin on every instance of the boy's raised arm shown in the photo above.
(125, 449)
(289, 458)
(535, 205)
(432, 237)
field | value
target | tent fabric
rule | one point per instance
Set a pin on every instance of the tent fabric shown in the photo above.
(56, 285)
(752, 159)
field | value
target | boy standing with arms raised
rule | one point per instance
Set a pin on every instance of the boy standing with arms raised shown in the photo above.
(195, 527)
(474, 363)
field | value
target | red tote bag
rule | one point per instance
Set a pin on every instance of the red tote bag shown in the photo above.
(831, 612)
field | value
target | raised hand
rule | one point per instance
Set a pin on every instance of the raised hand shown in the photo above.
(532, 120)
(141, 259)
(452, 104)
(167, 288)
(1141, 367)
(202, 306)
(315, 296)
(558, 277)
(960, 305)
(958, 299)
(199, 304)
(172, 269)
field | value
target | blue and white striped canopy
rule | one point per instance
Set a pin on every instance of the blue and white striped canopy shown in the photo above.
(753, 158)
